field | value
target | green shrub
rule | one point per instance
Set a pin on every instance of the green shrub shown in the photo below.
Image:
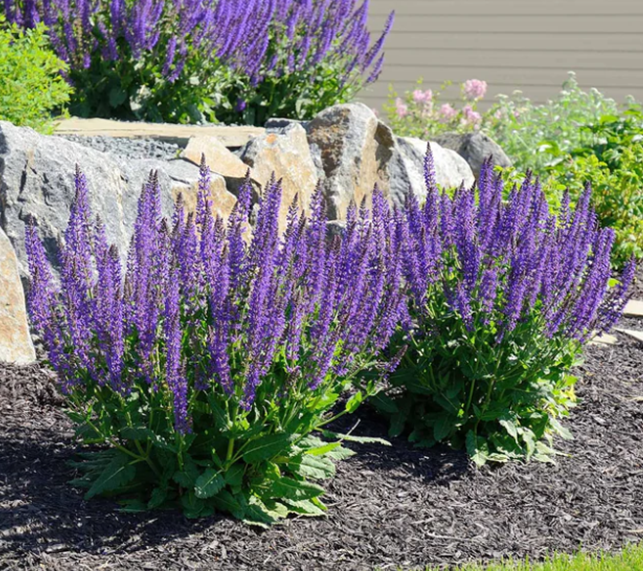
(503, 295)
(30, 83)
(530, 134)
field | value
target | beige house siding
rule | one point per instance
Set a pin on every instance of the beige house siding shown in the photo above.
(512, 44)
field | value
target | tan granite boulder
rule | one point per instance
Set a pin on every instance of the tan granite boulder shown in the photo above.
(284, 151)
(217, 156)
(15, 341)
(352, 149)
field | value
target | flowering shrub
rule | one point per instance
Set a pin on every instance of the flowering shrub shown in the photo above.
(503, 295)
(188, 60)
(419, 113)
(207, 369)
(30, 83)
(553, 129)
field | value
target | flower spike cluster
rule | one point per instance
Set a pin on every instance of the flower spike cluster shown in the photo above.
(500, 258)
(205, 305)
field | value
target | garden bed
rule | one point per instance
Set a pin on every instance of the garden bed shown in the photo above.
(389, 507)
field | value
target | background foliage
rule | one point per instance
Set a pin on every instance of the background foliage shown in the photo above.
(187, 61)
(31, 87)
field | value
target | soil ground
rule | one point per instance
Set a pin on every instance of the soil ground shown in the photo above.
(389, 507)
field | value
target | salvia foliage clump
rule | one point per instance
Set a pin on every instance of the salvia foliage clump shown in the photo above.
(192, 60)
(502, 296)
(207, 361)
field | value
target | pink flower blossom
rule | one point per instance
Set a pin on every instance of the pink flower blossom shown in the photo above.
(420, 96)
(401, 108)
(475, 89)
(470, 116)
(447, 112)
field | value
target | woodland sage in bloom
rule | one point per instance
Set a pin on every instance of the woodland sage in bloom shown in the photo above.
(502, 296)
(206, 363)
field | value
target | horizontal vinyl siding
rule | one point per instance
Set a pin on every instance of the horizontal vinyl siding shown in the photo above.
(512, 44)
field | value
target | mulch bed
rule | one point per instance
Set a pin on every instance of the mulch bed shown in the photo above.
(389, 507)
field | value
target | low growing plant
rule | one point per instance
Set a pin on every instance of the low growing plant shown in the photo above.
(30, 84)
(207, 370)
(420, 114)
(503, 296)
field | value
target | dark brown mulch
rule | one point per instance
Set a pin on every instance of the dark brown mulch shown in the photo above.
(637, 287)
(389, 507)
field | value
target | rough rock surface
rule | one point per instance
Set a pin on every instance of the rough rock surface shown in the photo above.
(37, 182)
(217, 156)
(475, 148)
(285, 152)
(406, 168)
(352, 150)
(15, 341)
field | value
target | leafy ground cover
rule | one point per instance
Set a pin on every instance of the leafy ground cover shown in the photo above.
(389, 507)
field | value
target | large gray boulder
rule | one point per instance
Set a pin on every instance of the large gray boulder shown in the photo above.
(37, 183)
(475, 148)
(354, 151)
(15, 341)
(406, 169)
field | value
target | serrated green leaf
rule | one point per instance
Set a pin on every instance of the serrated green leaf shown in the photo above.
(209, 484)
(350, 438)
(266, 447)
(116, 474)
(304, 507)
(321, 450)
(510, 427)
(289, 488)
(316, 467)
(157, 498)
(340, 453)
(234, 476)
(229, 503)
(477, 448)
(136, 433)
(442, 427)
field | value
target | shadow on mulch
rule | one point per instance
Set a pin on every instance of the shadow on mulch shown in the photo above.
(389, 507)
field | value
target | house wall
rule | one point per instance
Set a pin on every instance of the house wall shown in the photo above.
(511, 44)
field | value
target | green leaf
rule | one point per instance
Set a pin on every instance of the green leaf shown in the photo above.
(117, 96)
(340, 453)
(321, 450)
(133, 506)
(291, 489)
(561, 430)
(353, 403)
(477, 448)
(118, 473)
(234, 476)
(351, 438)
(267, 447)
(188, 476)
(510, 427)
(136, 433)
(229, 503)
(315, 467)
(209, 484)
(157, 498)
(442, 427)
(304, 507)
